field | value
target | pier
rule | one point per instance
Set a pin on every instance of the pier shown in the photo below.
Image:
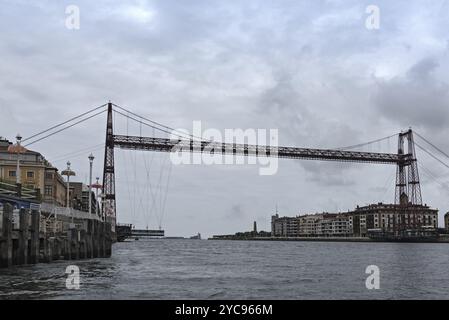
(30, 236)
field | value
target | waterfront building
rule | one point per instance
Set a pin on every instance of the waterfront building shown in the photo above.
(32, 166)
(284, 226)
(310, 225)
(446, 221)
(325, 225)
(55, 187)
(35, 173)
(79, 197)
(392, 217)
(342, 225)
(38, 174)
(357, 223)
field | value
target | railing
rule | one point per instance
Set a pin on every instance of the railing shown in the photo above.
(68, 212)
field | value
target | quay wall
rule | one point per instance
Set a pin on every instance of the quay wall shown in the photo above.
(34, 236)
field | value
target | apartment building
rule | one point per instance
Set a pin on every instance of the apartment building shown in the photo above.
(391, 217)
(284, 226)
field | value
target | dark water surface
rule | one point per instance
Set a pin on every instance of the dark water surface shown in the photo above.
(194, 269)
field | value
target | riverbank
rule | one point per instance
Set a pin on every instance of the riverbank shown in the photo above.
(325, 239)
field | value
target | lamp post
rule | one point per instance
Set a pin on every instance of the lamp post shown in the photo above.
(68, 172)
(18, 139)
(91, 161)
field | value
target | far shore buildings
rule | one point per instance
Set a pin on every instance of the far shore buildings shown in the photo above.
(356, 223)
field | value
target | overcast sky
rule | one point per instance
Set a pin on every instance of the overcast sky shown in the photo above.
(310, 69)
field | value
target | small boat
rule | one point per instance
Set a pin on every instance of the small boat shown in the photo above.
(135, 239)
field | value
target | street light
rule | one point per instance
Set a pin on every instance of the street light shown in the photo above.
(68, 173)
(91, 161)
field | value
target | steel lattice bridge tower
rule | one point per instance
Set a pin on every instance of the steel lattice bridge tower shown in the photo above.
(407, 191)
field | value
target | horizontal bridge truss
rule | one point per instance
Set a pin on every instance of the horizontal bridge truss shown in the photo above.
(177, 145)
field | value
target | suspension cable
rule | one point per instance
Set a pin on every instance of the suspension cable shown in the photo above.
(139, 121)
(65, 128)
(76, 153)
(63, 123)
(157, 123)
(433, 177)
(165, 195)
(432, 155)
(149, 125)
(430, 143)
(366, 143)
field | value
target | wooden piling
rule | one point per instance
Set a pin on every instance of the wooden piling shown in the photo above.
(68, 246)
(101, 236)
(96, 238)
(27, 244)
(6, 245)
(43, 245)
(34, 244)
(108, 240)
(23, 237)
(82, 244)
(75, 254)
(89, 239)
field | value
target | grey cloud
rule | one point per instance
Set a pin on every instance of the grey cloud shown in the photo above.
(417, 99)
(236, 212)
(423, 69)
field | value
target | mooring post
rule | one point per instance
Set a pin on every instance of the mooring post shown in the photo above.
(89, 240)
(108, 240)
(23, 236)
(75, 244)
(82, 244)
(49, 249)
(34, 243)
(101, 246)
(68, 246)
(6, 247)
(59, 248)
(96, 239)
(44, 242)
(56, 248)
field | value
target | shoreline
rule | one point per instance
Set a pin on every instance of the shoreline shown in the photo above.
(329, 239)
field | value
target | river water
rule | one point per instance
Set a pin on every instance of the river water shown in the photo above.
(195, 269)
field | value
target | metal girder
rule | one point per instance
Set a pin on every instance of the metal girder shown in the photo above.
(109, 205)
(170, 145)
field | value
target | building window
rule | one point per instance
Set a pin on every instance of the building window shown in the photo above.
(48, 190)
(49, 175)
(30, 174)
(12, 173)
